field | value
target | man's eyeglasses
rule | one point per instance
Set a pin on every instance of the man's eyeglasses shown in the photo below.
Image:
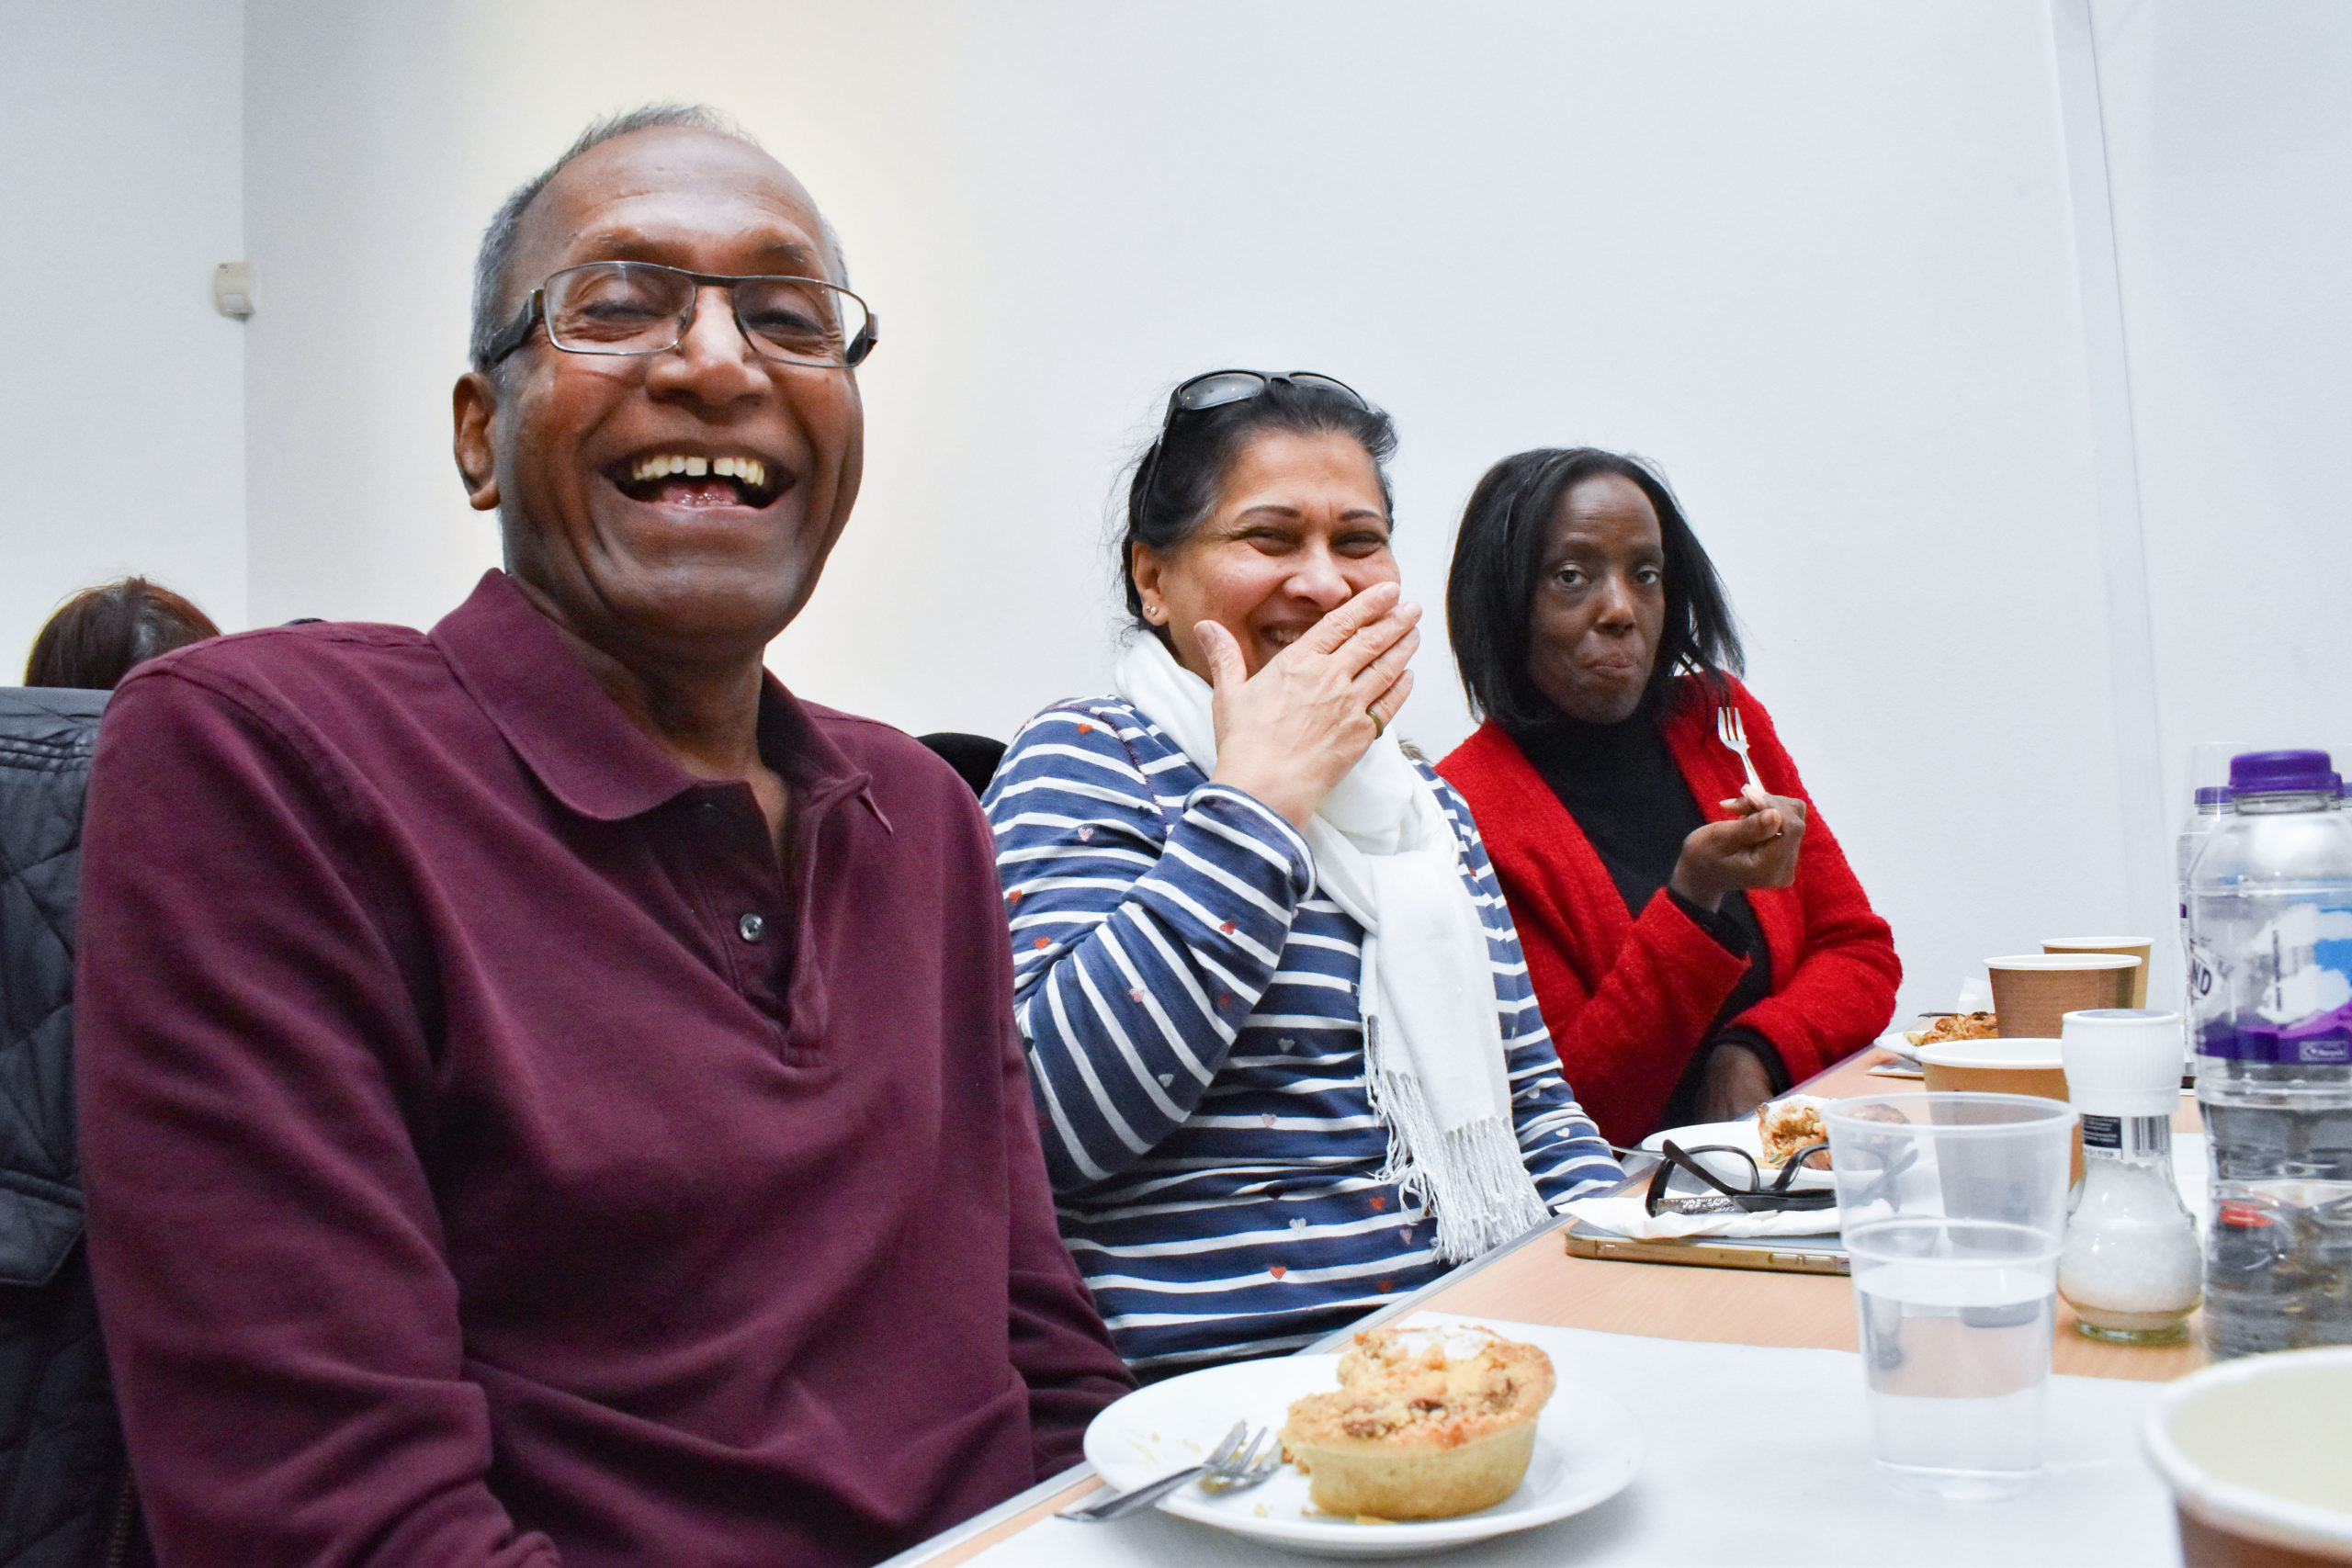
(1216, 389)
(617, 307)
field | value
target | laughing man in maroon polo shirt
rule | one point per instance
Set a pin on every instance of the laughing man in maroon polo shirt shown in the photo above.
(549, 1094)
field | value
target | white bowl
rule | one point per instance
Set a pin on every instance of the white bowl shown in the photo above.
(2011, 1050)
(2254, 1451)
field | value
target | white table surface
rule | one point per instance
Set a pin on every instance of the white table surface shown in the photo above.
(1755, 1456)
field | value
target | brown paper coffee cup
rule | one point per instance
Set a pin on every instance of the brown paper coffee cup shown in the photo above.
(2033, 991)
(2001, 1067)
(2137, 947)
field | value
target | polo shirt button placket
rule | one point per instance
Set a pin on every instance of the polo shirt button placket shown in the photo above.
(750, 926)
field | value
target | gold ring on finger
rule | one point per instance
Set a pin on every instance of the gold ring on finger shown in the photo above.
(1379, 725)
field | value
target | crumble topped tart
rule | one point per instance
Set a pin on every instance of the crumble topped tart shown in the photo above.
(1785, 1126)
(1426, 1423)
(1955, 1026)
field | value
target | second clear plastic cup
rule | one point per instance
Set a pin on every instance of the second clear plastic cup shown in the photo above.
(1952, 1207)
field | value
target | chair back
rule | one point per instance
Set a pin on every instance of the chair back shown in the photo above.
(973, 757)
(66, 1499)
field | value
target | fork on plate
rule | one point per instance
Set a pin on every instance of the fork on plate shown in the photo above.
(1233, 1464)
(1733, 732)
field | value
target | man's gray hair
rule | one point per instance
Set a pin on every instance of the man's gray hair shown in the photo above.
(497, 254)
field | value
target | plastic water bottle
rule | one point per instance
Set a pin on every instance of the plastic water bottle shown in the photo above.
(2204, 815)
(2270, 989)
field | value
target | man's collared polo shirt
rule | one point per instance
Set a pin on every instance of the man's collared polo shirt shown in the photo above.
(494, 1152)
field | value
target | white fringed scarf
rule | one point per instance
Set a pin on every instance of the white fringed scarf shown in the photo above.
(1433, 1042)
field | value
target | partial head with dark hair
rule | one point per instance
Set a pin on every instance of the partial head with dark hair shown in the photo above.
(101, 634)
(1183, 477)
(1578, 587)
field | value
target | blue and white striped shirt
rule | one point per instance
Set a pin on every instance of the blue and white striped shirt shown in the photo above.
(1196, 1049)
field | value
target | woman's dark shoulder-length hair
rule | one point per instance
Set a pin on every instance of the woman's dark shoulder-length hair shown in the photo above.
(102, 633)
(1498, 558)
(1176, 480)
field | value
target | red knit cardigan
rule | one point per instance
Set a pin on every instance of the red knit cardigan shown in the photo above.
(1628, 1000)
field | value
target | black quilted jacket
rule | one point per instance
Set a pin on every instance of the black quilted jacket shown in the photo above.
(64, 1488)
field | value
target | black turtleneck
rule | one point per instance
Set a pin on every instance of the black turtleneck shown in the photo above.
(1620, 782)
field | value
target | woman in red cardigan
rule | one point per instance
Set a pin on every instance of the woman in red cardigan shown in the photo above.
(1697, 945)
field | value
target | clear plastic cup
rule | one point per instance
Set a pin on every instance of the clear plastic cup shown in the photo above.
(1953, 1208)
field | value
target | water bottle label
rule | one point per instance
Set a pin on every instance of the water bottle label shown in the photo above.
(2102, 1132)
(2332, 1050)
(2285, 996)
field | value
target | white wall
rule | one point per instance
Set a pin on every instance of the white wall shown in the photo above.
(2228, 130)
(1815, 259)
(1837, 267)
(362, 199)
(122, 420)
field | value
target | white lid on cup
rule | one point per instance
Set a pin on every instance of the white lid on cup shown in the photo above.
(2122, 1061)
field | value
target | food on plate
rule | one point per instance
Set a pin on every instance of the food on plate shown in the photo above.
(1426, 1423)
(1785, 1126)
(1955, 1026)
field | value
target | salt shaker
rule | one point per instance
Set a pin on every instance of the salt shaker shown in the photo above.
(2130, 1263)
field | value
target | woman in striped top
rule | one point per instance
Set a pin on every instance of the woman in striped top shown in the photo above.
(1287, 1063)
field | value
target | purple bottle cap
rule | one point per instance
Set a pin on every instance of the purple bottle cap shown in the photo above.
(2281, 772)
(2212, 795)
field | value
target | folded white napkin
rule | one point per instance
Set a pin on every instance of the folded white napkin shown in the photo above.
(1625, 1214)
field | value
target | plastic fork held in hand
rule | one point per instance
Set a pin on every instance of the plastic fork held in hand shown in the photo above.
(1733, 733)
(1231, 1465)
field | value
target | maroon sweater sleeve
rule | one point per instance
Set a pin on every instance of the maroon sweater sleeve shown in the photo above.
(251, 1068)
(1058, 1343)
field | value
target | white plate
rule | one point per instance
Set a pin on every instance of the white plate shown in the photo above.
(1587, 1447)
(1894, 1040)
(1740, 1134)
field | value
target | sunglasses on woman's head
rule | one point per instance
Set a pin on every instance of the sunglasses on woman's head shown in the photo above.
(1216, 389)
(1219, 387)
